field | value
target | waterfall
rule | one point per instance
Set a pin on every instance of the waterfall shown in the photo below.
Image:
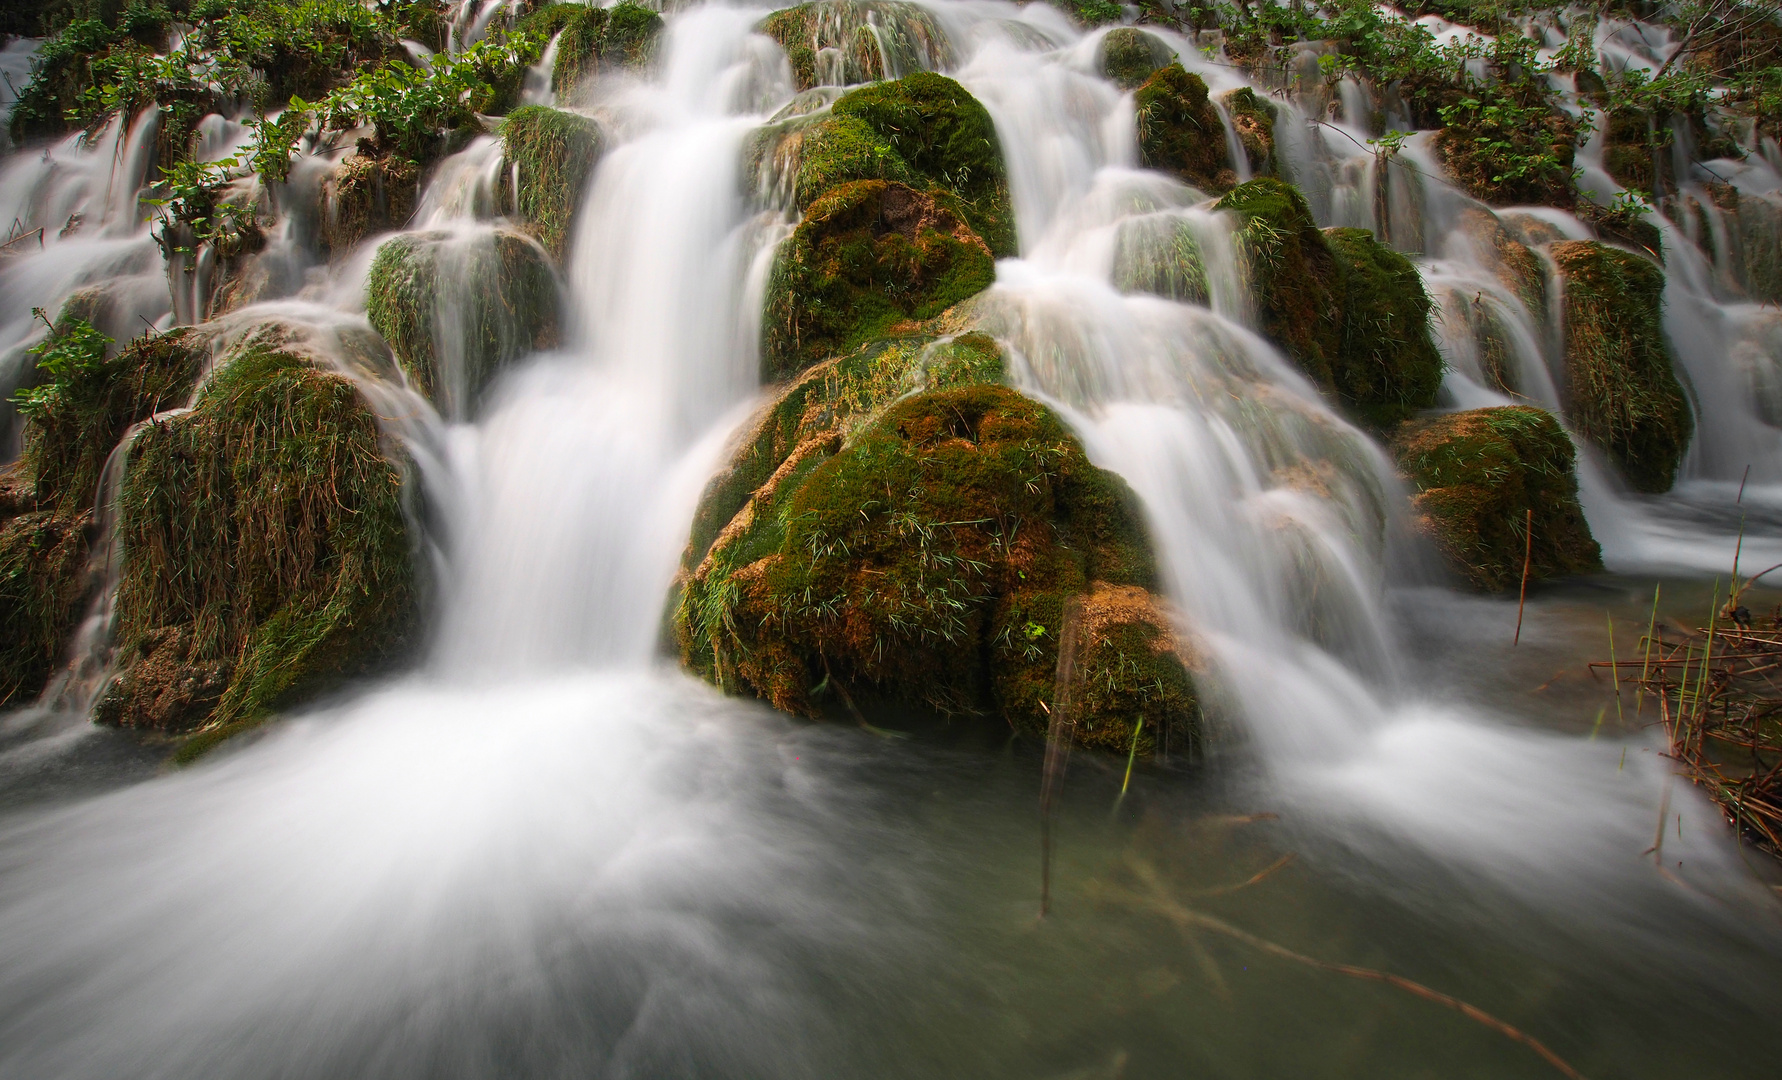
(544, 852)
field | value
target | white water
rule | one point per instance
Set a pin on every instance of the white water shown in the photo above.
(546, 828)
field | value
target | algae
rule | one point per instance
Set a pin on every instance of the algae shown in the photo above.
(1479, 475)
(1620, 390)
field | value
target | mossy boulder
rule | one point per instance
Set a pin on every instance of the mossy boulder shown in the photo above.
(1631, 142)
(1387, 366)
(1179, 130)
(549, 156)
(868, 258)
(266, 554)
(596, 39)
(943, 136)
(1128, 56)
(1478, 476)
(848, 42)
(1351, 312)
(1620, 390)
(1253, 118)
(369, 193)
(457, 307)
(47, 497)
(894, 529)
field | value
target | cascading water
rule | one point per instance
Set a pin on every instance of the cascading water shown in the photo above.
(544, 854)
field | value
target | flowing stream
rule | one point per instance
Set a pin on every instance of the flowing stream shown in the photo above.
(548, 852)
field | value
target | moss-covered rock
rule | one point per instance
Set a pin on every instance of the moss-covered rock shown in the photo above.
(596, 39)
(1128, 56)
(369, 193)
(1630, 142)
(265, 551)
(552, 153)
(456, 308)
(869, 256)
(1620, 390)
(873, 543)
(1351, 312)
(944, 136)
(1291, 273)
(47, 497)
(1479, 475)
(1386, 366)
(848, 42)
(1179, 130)
(1253, 118)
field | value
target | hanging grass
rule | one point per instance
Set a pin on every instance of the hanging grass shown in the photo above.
(265, 551)
(553, 153)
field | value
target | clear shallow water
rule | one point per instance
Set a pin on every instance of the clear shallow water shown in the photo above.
(544, 854)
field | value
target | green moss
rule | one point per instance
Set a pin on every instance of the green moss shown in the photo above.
(368, 194)
(1161, 255)
(1479, 475)
(1292, 273)
(1180, 132)
(1621, 392)
(1630, 143)
(598, 39)
(848, 42)
(841, 149)
(869, 257)
(554, 153)
(869, 543)
(1387, 366)
(265, 550)
(1253, 119)
(1128, 56)
(457, 309)
(945, 136)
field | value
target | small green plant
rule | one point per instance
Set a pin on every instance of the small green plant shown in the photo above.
(275, 139)
(193, 212)
(71, 350)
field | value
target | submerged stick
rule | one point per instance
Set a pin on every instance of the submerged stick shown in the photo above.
(1527, 558)
(1058, 738)
(1186, 918)
(1131, 756)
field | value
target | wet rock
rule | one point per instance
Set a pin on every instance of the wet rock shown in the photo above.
(1631, 145)
(868, 258)
(456, 308)
(1128, 56)
(595, 39)
(1620, 392)
(553, 153)
(47, 497)
(1478, 475)
(1180, 132)
(1351, 312)
(266, 555)
(848, 42)
(895, 529)
(1253, 118)
(368, 193)
(1160, 254)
